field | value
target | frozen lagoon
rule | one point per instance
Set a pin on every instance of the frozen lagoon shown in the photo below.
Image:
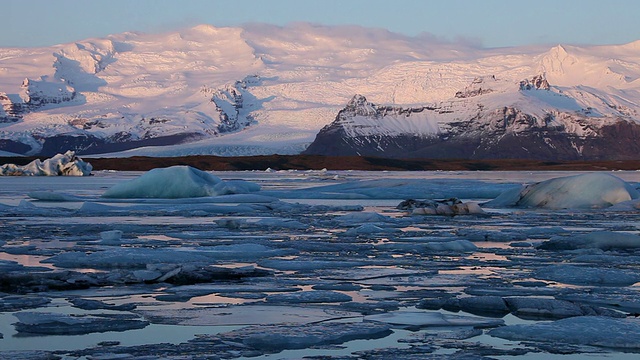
(316, 264)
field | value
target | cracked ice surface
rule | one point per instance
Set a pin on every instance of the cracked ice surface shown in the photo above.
(315, 263)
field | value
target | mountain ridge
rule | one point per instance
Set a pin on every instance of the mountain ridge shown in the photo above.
(265, 89)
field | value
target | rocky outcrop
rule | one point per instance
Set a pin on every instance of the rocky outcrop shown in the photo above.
(538, 82)
(33, 95)
(229, 102)
(479, 86)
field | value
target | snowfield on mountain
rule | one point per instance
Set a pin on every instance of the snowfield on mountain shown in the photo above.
(264, 89)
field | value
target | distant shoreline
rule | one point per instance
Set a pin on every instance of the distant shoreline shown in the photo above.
(315, 162)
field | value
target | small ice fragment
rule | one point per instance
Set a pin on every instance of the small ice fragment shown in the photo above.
(111, 235)
(316, 296)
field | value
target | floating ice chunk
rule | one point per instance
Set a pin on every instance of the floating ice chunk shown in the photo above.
(231, 187)
(363, 217)
(233, 223)
(605, 240)
(124, 257)
(449, 207)
(533, 308)
(89, 304)
(582, 330)
(111, 236)
(581, 275)
(592, 190)
(177, 182)
(493, 306)
(309, 264)
(315, 296)
(67, 164)
(18, 302)
(427, 319)
(455, 245)
(368, 229)
(38, 323)
(163, 209)
(278, 338)
(251, 314)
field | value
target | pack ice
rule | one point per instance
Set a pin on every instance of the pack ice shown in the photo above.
(177, 182)
(591, 190)
(61, 164)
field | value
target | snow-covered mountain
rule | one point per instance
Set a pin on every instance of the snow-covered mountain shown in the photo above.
(265, 89)
(487, 119)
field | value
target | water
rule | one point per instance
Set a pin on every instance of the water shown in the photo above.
(297, 246)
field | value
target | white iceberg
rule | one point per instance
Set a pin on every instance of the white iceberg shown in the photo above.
(177, 182)
(67, 164)
(592, 190)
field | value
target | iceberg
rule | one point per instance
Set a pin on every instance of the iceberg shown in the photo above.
(592, 190)
(177, 182)
(67, 164)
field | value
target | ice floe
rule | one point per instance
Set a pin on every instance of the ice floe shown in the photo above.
(604, 240)
(582, 330)
(19, 302)
(67, 164)
(591, 190)
(315, 296)
(40, 323)
(278, 338)
(178, 182)
(136, 257)
(419, 319)
(583, 275)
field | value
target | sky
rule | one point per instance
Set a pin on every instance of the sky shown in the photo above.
(487, 23)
